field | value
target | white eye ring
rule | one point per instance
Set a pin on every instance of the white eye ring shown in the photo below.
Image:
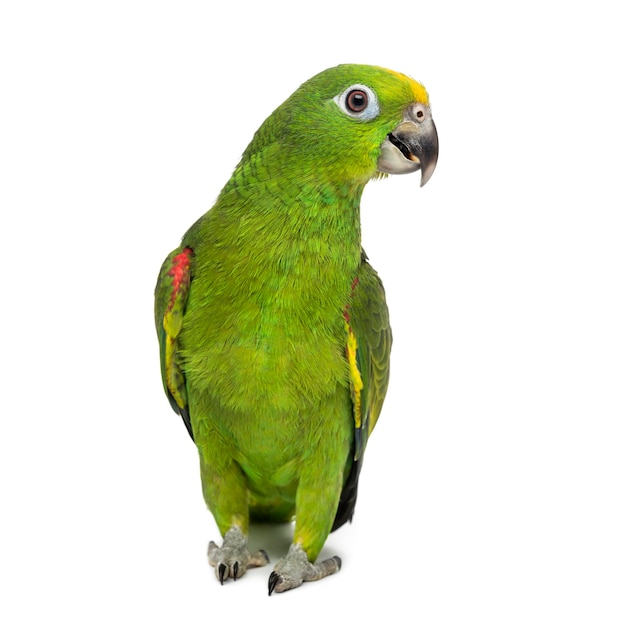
(359, 102)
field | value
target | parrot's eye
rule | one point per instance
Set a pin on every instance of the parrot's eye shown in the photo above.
(359, 102)
(356, 101)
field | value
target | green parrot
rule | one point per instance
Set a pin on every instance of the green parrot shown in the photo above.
(273, 327)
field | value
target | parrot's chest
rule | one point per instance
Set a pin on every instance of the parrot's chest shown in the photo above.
(265, 355)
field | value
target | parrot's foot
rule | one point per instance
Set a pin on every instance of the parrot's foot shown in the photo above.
(290, 572)
(233, 558)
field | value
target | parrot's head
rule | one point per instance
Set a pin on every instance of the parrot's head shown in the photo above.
(352, 123)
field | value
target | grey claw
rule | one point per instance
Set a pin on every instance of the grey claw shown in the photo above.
(233, 558)
(295, 568)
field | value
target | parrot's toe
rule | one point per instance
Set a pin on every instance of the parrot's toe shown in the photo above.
(233, 558)
(291, 571)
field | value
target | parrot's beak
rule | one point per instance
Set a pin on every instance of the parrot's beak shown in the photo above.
(412, 145)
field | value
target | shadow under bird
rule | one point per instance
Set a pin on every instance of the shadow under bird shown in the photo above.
(273, 327)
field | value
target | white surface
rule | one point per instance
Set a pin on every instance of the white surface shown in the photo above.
(494, 485)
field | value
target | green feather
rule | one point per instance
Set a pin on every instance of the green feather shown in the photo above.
(254, 325)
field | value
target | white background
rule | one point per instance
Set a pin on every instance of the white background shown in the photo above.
(494, 486)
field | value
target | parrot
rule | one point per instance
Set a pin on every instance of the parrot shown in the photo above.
(273, 327)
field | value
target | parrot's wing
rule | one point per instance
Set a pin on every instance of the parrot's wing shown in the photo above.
(369, 342)
(170, 299)
(368, 349)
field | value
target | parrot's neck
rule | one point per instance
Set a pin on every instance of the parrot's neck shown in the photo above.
(301, 241)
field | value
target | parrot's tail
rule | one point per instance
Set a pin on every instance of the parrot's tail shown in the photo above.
(347, 501)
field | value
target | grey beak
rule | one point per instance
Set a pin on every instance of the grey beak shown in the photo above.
(412, 145)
